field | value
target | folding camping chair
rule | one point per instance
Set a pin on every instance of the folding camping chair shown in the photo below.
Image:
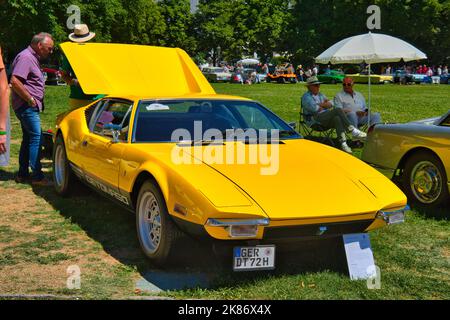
(314, 129)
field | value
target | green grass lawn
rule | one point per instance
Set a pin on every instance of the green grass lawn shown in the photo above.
(42, 234)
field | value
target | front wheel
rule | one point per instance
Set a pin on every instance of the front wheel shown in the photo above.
(425, 180)
(63, 177)
(156, 232)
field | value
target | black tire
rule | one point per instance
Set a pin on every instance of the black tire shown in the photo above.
(64, 180)
(430, 187)
(157, 250)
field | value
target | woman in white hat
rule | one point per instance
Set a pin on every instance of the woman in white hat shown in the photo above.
(77, 98)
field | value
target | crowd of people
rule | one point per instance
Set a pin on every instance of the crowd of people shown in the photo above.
(430, 71)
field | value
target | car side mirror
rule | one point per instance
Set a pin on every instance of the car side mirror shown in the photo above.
(293, 125)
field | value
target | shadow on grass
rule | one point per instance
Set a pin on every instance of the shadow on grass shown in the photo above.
(6, 176)
(439, 214)
(114, 228)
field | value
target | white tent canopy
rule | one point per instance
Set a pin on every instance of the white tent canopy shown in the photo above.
(370, 48)
(249, 61)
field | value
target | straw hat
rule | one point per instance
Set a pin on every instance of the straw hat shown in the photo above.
(312, 81)
(81, 34)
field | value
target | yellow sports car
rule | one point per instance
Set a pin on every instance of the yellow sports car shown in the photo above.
(363, 77)
(156, 146)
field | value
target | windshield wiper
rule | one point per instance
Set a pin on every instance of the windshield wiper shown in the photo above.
(200, 142)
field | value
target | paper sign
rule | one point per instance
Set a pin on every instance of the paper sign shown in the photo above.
(358, 250)
(157, 107)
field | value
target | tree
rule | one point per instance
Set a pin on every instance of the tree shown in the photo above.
(179, 25)
(318, 24)
(241, 27)
(140, 22)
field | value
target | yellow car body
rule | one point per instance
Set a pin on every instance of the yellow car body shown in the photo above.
(374, 78)
(316, 186)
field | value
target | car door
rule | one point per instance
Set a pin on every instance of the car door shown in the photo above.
(103, 153)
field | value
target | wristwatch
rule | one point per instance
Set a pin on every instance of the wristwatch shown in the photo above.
(31, 101)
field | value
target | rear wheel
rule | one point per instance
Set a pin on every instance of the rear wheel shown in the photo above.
(425, 180)
(156, 231)
(63, 177)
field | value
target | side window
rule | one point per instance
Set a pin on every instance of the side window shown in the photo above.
(114, 115)
(91, 111)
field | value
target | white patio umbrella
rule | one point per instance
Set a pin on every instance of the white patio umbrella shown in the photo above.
(370, 48)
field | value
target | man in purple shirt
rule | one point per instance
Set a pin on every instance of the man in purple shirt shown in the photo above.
(28, 85)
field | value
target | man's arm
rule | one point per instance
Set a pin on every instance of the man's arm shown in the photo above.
(326, 104)
(65, 70)
(309, 105)
(338, 101)
(20, 72)
(363, 105)
(22, 92)
(4, 104)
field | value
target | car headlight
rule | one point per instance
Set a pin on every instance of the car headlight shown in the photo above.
(394, 216)
(239, 228)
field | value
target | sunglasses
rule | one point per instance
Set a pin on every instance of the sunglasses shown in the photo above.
(347, 84)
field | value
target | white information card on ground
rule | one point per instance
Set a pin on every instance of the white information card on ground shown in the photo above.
(359, 256)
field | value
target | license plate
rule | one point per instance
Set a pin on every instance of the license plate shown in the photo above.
(398, 217)
(254, 258)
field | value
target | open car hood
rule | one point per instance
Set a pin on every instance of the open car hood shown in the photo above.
(123, 69)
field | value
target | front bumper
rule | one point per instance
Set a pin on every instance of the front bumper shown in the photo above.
(282, 232)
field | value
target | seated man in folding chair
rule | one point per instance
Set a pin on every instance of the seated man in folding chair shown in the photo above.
(316, 104)
(354, 105)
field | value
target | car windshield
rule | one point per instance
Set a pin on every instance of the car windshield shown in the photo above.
(201, 120)
(446, 121)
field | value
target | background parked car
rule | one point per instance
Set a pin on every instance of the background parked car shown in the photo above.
(420, 78)
(402, 77)
(331, 76)
(247, 75)
(363, 77)
(445, 79)
(216, 74)
(281, 74)
(52, 76)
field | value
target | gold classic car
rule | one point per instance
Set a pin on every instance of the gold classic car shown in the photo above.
(418, 154)
(155, 145)
(363, 77)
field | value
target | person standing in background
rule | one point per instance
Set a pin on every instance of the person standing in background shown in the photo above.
(28, 87)
(77, 98)
(4, 114)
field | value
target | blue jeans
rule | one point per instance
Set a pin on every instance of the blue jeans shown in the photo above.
(30, 149)
(357, 121)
